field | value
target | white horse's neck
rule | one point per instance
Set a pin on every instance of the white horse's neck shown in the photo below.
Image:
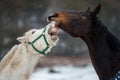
(20, 61)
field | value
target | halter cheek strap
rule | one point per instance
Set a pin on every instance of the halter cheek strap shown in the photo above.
(40, 36)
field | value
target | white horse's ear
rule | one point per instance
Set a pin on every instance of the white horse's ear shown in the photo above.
(21, 39)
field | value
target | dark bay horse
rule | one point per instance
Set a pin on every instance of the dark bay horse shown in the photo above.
(104, 47)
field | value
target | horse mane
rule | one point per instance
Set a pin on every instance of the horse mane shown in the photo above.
(112, 40)
(5, 61)
(97, 24)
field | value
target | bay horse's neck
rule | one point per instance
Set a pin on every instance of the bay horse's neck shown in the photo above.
(104, 49)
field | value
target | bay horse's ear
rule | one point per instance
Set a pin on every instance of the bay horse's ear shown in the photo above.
(88, 10)
(96, 10)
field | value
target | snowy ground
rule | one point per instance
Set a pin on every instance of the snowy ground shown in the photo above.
(65, 73)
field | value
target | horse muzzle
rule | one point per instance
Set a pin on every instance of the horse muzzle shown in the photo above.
(53, 31)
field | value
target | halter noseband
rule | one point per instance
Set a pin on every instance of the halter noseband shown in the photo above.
(44, 37)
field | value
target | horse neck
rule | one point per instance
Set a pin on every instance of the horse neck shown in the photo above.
(27, 57)
(101, 44)
(20, 60)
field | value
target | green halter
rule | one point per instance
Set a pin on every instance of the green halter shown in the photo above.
(44, 37)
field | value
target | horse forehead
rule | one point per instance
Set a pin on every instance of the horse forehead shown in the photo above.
(73, 12)
(79, 13)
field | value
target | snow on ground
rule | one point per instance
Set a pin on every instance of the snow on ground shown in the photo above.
(65, 73)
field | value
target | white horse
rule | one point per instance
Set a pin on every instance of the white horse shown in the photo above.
(19, 63)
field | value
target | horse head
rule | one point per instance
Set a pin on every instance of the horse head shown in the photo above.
(42, 40)
(77, 24)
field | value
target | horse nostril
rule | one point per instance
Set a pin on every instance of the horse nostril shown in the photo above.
(49, 18)
(53, 15)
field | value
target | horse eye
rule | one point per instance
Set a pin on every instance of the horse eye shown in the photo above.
(33, 32)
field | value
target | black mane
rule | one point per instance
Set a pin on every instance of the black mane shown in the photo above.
(112, 40)
(113, 43)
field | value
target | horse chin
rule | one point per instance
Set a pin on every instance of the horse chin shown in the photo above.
(54, 37)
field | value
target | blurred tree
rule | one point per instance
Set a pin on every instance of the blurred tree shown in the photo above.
(18, 16)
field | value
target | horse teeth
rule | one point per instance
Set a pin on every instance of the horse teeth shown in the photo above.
(54, 30)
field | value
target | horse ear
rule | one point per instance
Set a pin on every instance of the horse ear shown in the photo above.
(96, 10)
(21, 39)
(88, 10)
